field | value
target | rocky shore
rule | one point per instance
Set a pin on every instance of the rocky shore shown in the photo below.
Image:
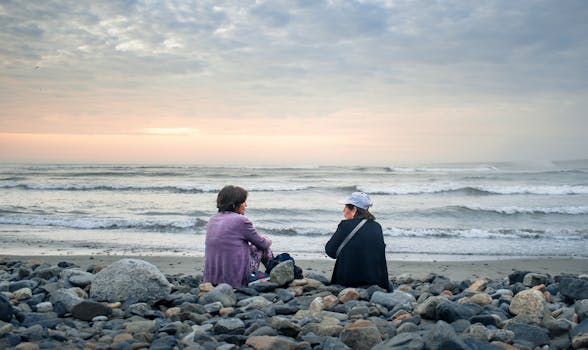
(130, 304)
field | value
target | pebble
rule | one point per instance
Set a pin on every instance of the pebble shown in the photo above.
(44, 306)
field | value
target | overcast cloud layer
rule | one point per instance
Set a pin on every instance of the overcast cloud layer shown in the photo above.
(508, 72)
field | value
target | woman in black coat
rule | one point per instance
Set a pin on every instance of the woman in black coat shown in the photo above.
(362, 259)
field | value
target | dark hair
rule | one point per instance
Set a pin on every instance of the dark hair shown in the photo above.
(361, 213)
(230, 198)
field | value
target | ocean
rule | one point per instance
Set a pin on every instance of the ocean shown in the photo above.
(428, 212)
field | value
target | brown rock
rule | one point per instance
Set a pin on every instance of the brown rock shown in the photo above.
(529, 306)
(330, 301)
(225, 311)
(348, 294)
(478, 285)
(446, 293)
(121, 337)
(27, 346)
(481, 299)
(580, 341)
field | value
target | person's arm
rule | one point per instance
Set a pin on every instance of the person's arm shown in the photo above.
(335, 241)
(251, 235)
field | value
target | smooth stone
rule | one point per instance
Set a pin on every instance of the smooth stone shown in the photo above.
(529, 305)
(403, 341)
(130, 279)
(87, 310)
(30, 284)
(283, 273)
(229, 326)
(452, 311)
(68, 298)
(534, 335)
(581, 308)
(442, 336)
(360, 335)
(390, 300)
(222, 293)
(573, 288)
(6, 309)
(534, 279)
(265, 342)
(46, 306)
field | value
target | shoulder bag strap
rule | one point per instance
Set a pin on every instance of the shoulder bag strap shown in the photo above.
(350, 235)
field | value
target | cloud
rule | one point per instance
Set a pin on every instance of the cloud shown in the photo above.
(474, 68)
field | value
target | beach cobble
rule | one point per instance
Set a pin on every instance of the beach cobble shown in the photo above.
(132, 305)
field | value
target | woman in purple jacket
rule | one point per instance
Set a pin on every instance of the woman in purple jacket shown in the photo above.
(233, 247)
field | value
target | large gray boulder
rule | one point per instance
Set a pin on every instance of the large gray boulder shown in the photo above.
(130, 279)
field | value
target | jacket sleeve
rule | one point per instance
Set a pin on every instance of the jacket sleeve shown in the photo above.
(335, 241)
(251, 235)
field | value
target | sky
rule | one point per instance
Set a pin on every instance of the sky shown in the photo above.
(293, 82)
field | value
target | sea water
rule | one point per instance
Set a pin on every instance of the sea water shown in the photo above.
(427, 212)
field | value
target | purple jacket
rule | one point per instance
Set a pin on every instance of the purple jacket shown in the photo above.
(226, 250)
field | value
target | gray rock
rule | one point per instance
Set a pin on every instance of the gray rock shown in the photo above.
(441, 283)
(284, 326)
(282, 273)
(573, 288)
(46, 273)
(130, 279)
(581, 308)
(331, 343)
(390, 300)
(30, 284)
(534, 279)
(529, 334)
(479, 332)
(229, 326)
(407, 327)
(6, 309)
(264, 330)
(66, 298)
(222, 293)
(47, 319)
(427, 309)
(80, 279)
(452, 311)
(404, 341)
(45, 306)
(442, 336)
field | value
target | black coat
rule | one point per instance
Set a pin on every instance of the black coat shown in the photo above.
(362, 262)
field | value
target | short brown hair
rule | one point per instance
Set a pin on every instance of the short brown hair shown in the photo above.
(230, 198)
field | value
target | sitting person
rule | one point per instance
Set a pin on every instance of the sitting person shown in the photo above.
(361, 258)
(233, 248)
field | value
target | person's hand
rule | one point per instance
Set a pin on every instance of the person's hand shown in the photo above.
(266, 237)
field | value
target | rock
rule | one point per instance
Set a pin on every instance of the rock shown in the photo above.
(317, 305)
(328, 327)
(81, 279)
(404, 341)
(360, 335)
(427, 309)
(479, 332)
(6, 309)
(23, 294)
(229, 326)
(534, 279)
(441, 283)
(348, 294)
(452, 311)
(47, 319)
(30, 284)
(573, 288)
(390, 300)
(223, 293)
(130, 279)
(481, 299)
(283, 273)
(529, 306)
(517, 277)
(87, 310)
(140, 326)
(284, 326)
(442, 336)
(67, 298)
(581, 308)
(529, 334)
(256, 302)
(478, 285)
(44, 307)
(271, 343)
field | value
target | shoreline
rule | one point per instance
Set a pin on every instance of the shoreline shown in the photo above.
(455, 270)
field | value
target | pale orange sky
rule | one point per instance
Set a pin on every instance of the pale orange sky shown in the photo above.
(372, 82)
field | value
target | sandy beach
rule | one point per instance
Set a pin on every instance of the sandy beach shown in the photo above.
(455, 270)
